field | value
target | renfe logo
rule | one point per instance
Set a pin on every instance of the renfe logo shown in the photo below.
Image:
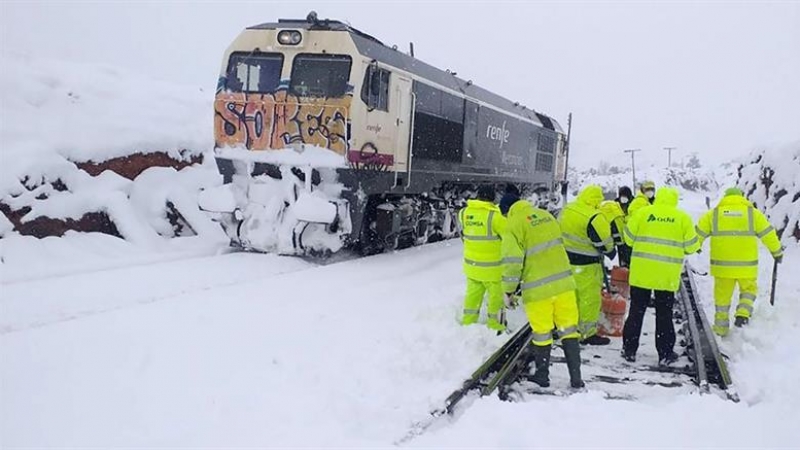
(498, 133)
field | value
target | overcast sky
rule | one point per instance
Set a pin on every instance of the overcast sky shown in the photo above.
(715, 78)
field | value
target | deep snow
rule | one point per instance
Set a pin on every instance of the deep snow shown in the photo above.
(54, 114)
(259, 350)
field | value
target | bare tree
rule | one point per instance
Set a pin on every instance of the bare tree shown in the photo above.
(694, 162)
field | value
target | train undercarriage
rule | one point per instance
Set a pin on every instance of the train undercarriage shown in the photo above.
(314, 211)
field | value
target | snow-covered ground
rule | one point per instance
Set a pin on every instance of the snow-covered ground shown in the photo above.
(265, 351)
(158, 342)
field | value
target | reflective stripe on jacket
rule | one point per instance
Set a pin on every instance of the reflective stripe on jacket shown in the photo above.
(660, 236)
(734, 227)
(533, 254)
(575, 220)
(481, 225)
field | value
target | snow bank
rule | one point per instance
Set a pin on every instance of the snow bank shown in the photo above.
(94, 112)
(58, 117)
(690, 180)
(771, 179)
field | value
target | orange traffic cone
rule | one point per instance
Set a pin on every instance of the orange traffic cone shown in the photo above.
(613, 318)
(619, 281)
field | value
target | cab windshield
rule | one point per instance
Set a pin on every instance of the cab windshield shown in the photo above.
(320, 75)
(254, 72)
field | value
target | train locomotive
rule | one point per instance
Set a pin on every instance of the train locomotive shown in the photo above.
(326, 138)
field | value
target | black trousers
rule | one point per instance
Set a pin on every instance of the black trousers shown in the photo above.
(665, 329)
(624, 253)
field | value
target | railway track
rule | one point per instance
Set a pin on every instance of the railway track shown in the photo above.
(701, 367)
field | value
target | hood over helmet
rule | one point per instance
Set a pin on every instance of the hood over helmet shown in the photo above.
(611, 210)
(733, 191)
(591, 195)
(667, 196)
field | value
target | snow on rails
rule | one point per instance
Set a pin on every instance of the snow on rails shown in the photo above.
(701, 369)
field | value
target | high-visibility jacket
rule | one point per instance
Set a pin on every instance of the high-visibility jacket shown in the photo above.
(581, 221)
(734, 227)
(615, 216)
(481, 225)
(534, 257)
(660, 236)
(638, 202)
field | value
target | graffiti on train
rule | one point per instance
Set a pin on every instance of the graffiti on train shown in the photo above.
(264, 121)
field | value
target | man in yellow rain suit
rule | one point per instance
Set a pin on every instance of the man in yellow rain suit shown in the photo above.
(645, 197)
(536, 263)
(587, 237)
(661, 235)
(481, 225)
(734, 227)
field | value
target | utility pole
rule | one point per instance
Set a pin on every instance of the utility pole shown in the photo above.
(633, 151)
(565, 181)
(669, 158)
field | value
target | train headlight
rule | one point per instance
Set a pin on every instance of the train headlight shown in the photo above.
(289, 37)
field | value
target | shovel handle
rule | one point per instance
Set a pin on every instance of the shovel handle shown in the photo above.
(774, 282)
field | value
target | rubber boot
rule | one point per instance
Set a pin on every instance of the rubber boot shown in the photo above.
(541, 356)
(596, 340)
(572, 353)
(741, 321)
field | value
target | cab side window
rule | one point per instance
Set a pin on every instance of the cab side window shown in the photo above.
(375, 92)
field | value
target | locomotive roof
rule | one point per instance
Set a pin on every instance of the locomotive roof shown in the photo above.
(373, 48)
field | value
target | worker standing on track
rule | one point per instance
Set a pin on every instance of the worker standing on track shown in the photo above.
(536, 263)
(660, 235)
(587, 237)
(734, 227)
(481, 225)
(645, 197)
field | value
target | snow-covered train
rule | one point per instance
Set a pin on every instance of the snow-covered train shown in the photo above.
(327, 138)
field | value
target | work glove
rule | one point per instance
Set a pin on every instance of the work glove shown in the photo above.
(512, 300)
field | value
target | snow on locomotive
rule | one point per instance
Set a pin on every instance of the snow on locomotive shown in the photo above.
(327, 138)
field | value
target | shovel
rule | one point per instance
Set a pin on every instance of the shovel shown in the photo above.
(774, 281)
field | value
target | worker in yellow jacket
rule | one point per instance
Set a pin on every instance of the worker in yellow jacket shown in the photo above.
(615, 216)
(481, 225)
(587, 237)
(734, 227)
(536, 264)
(645, 197)
(661, 235)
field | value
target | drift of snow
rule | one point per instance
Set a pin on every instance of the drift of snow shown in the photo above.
(689, 180)
(771, 178)
(101, 113)
(94, 112)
